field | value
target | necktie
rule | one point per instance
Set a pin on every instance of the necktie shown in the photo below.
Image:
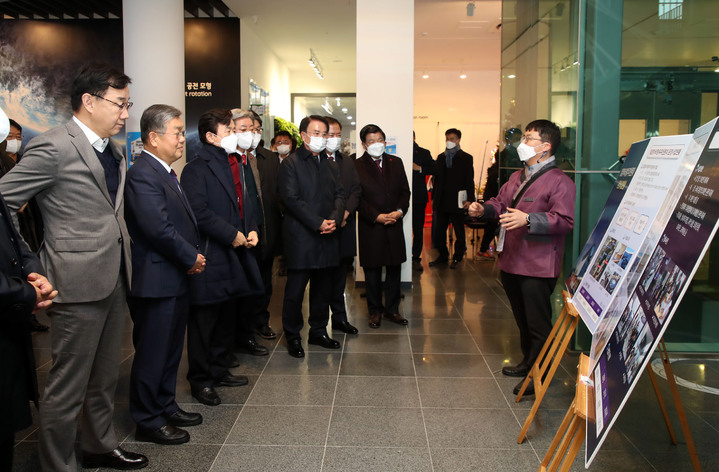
(379, 164)
(174, 176)
(331, 157)
(235, 167)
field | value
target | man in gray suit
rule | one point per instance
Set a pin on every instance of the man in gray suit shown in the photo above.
(77, 176)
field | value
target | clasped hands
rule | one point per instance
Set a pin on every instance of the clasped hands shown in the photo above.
(250, 241)
(389, 218)
(43, 291)
(510, 220)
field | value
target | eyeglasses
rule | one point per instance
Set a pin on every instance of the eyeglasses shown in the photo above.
(526, 138)
(121, 106)
(176, 135)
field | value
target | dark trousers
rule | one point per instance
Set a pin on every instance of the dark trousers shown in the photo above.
(373, 281)
(210, 331)
(441, 221)
(245, 319)
(297, 279)
(530, 298)
(261, 303)
(7, 443)
(418, 217)
(338, 282)
(490, 228)
(158, 335)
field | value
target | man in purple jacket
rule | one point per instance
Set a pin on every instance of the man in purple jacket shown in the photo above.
(535, 209)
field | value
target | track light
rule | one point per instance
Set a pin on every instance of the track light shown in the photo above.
(315, 64)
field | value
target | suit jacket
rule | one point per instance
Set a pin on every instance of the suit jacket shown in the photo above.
(208, 184)
(550, 203)
(382, 192)
(86, 239)
(448, 182)
(265, 167)
(311, 192)
(165, 237)
(353, 193)
(422, 158)
(17, 300)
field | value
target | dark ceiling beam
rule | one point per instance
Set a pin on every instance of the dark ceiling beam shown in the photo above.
(16, 9)
(221, 7)
(50, 8)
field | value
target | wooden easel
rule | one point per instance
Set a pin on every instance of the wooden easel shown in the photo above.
(544, 368)
(570, 435)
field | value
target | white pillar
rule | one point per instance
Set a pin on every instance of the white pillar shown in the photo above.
(385, 84)
(154, 43)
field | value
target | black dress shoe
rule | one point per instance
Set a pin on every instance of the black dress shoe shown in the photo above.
(119, 459)
(167, 435)
(231, 380)
(438, 262)
(184, 418)
(324, 341)
(207, 396)
(519, 370)
(36, 326)
(454, 264)
(294, 348)
(417, 265)
(375, 320)
(396, 318)
(528, 391)
(345, 327)
(266, 332)
(252, 347)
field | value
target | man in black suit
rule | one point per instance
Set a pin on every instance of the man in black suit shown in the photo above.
(22, 291)
(454, 179)
(165, 249)
(422, 166)
(385, 201)
(347, 230)
(314, 205)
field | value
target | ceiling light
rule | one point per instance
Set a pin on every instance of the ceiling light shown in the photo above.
(353, 123)
(470, 9)
(425, 75)
(462, 75)
(716, 70)
(349, 117)
(344, 110)
(327, 107)
(315, 64)
(511, 76)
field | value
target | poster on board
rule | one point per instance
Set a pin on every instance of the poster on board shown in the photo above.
(622, 352)
(654, 185)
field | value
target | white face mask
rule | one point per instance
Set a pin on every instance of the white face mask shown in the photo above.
(283, 149)
(229, 143)
(317, 143)
(13, 146)
(526, 152)
(256, 138)
(333, 144)
(375, 150)
(244, 140)
(451, 145)
(4, 125)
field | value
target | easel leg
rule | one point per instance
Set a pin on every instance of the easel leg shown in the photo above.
(662, 407)
(678, 405)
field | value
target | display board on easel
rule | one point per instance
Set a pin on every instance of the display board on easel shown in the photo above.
(633, 324)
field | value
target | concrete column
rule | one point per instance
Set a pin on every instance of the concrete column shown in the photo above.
(385, 84)
(154, 44)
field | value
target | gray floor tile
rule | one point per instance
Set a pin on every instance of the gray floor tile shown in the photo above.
(443, 344)
(378, 343)
(451, 365)
(472, 428)
(189, 456)
(506, 345)
(377, 364)
(311, 390)
(272, 425)
(377, 391)
(460, 393)
(377, 459)
(383, 427)
(481, 460)
(233, 458)
(314, 363)
(438, 326)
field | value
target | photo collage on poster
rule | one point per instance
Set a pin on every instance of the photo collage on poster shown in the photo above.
(621, 352)
(611, 264)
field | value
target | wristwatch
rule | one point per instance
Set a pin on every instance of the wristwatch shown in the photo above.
(528, 222)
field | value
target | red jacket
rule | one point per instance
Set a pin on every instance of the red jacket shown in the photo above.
(549, 201)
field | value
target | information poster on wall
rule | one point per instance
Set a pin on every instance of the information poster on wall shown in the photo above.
(631, 162)
(653, 185)
(660, 285)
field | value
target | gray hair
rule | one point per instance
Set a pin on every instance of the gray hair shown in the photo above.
(155, 118)
(238, 113)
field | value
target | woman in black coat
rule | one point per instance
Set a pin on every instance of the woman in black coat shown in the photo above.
(385, 201)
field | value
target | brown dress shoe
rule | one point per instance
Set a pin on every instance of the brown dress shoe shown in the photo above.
(375, 319)
(396, 318)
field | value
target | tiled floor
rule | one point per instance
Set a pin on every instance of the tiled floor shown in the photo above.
(427, 397)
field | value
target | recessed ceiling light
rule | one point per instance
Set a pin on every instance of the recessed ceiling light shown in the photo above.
(463, 75)
(511, 76)
(349, 117)
(353, 123)
(425, 76)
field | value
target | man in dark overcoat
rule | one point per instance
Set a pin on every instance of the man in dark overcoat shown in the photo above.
(385, 201)
(422, 166)
(314, 206)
